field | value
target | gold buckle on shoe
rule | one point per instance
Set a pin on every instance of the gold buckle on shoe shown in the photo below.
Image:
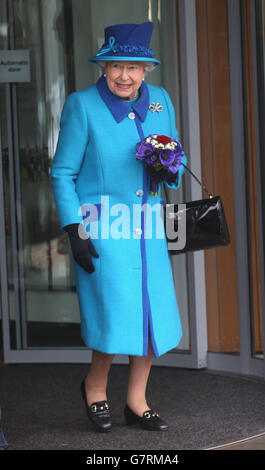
(95, 407)
(148, 414)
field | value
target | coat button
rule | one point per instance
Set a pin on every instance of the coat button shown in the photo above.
(131, 116)
(139, 192)
(138, 231)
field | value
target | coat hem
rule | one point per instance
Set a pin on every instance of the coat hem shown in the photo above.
(126, 353)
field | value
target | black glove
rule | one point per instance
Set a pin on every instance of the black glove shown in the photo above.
(161, 175)
(81, 249)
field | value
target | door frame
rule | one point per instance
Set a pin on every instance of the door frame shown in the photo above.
(243, 363)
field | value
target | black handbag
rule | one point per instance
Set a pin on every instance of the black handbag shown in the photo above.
(205, 223)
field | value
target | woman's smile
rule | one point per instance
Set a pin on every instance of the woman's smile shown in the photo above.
(123, 87)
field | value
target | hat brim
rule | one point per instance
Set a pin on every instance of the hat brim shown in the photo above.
(120, 58)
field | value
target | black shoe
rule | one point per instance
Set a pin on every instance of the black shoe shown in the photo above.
(98, 412)
(150, 419)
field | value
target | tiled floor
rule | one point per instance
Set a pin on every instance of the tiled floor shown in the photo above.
(254, 443)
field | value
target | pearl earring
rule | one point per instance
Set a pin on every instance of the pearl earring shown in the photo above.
(104, 75)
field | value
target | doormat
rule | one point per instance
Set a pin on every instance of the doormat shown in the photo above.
(43, 408)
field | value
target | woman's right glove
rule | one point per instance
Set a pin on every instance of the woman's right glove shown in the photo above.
(81, 249)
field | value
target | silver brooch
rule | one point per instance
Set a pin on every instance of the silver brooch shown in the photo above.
(155, 107)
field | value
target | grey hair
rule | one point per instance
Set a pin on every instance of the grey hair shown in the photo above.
(148, 66)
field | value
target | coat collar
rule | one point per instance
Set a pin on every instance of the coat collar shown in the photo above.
(119, 108)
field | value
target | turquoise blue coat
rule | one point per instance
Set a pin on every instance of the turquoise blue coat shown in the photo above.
(97, 181)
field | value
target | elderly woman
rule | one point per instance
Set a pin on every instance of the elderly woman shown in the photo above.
(124, 280)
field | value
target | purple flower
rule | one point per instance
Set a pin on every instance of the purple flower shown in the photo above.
(144, 150)
(174, 166)
(152, 159)
(167, 157)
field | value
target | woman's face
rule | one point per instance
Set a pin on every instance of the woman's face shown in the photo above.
(124, 78)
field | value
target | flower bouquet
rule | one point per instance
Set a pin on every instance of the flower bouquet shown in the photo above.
(162, 156)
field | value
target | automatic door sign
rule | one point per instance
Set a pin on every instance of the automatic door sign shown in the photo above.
(14, 66)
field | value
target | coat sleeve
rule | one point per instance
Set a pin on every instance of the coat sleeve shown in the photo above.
(175, 135)
(70, 150)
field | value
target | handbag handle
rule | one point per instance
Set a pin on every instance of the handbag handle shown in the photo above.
(203, 187)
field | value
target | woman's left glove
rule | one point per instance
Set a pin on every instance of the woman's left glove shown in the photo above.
(82, 249)
(161, 175)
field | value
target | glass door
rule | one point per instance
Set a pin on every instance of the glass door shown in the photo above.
(43, 310)
(39, 300)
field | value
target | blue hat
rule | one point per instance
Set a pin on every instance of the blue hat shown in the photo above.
(127, 42)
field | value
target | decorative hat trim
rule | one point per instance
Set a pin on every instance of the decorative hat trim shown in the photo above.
(115, 47)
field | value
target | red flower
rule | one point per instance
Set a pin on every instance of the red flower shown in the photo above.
(163, 139)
